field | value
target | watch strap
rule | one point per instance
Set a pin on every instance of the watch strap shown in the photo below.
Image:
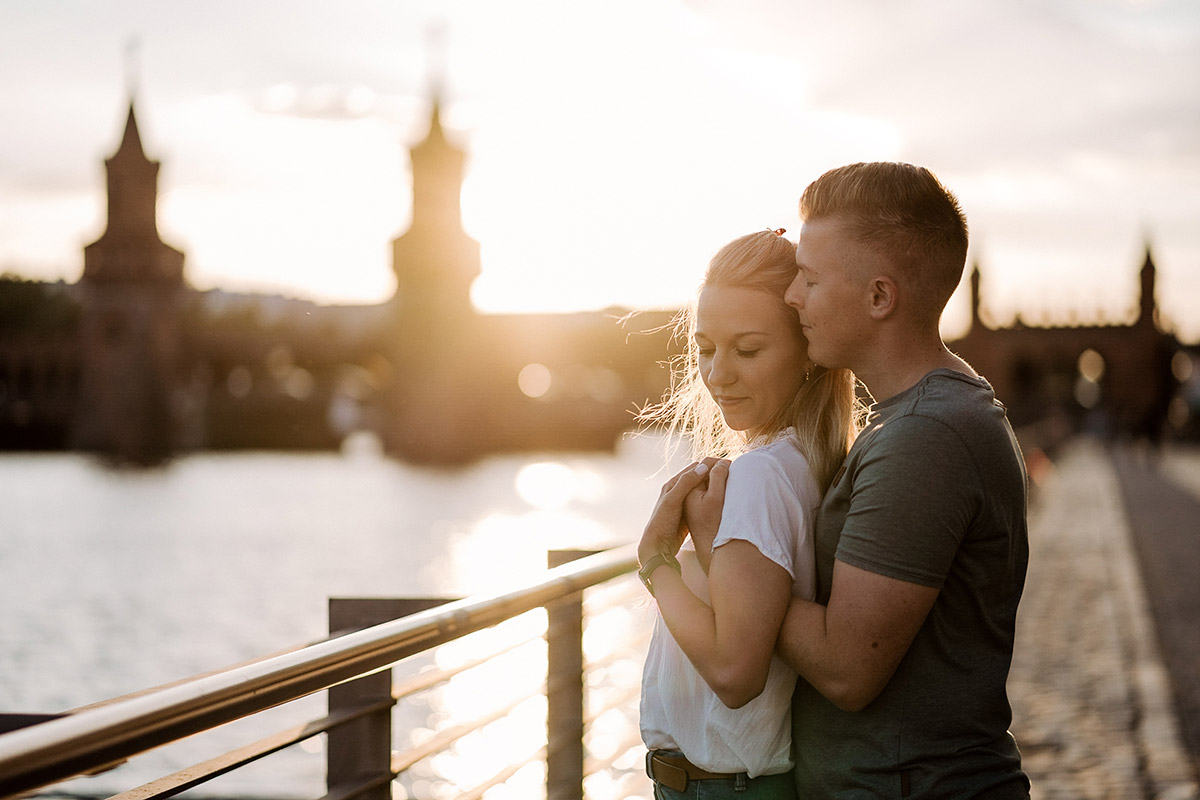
(654, 562)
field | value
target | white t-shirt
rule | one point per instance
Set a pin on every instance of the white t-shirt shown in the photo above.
(770, 501)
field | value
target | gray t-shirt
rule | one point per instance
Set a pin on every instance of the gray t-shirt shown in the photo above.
(933, 493)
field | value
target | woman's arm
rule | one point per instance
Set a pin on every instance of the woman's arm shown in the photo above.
(730, 643)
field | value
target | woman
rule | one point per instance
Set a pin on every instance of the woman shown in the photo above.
(715, 706)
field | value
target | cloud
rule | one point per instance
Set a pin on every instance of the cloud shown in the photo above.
(1007, 84)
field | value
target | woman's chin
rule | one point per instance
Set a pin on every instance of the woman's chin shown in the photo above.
(734, 424)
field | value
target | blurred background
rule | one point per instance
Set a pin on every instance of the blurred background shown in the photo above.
(301, 299)
(321, 213)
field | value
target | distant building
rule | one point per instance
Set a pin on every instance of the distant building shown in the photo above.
(130, 299)
(1118, 380)
(39, 363)
(464, 384)
(145, 367)
(133, 364)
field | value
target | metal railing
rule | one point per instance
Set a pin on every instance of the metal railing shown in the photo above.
(355, 668)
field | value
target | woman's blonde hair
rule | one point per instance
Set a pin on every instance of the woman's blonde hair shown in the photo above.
(823, 412)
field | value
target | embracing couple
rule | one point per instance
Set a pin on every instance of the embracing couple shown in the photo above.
(836, 592)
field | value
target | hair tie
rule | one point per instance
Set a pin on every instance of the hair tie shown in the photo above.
(780, 231)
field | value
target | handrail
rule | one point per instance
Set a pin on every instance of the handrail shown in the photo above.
(97, 737)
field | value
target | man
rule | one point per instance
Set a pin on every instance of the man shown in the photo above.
(921, 541)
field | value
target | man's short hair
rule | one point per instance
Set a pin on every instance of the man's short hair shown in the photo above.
(904, 212)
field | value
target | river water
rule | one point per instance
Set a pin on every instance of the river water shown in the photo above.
(112, 581)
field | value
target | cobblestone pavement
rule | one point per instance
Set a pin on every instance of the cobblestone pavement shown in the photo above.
(1163, 509)
(1092, 705)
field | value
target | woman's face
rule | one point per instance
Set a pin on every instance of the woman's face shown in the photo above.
(750, 357)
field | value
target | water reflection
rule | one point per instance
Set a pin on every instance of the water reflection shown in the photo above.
(120, 581)
(503, 549)
(507, 694)
(553, 484)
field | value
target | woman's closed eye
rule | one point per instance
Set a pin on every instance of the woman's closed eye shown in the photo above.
(709, 352)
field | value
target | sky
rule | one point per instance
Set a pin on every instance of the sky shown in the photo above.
(612, 146)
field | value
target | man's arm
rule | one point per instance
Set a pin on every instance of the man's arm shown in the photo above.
(849, 649)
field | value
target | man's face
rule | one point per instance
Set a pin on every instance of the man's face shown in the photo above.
(830, 293)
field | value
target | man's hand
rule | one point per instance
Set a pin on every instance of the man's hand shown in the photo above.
(667, 528)
(702, 510)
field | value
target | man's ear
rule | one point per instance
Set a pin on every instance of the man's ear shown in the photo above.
(884, 297)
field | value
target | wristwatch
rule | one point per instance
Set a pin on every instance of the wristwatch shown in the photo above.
(654, 562)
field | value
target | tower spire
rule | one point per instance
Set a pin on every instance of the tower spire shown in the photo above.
(132, 67)
(435, 55)
(976, 297)
(1148, 305)
(131, 140)
(435, 68)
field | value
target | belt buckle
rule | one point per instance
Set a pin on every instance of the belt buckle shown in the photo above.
(668, 775)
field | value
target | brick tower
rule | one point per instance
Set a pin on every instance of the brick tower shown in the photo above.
(437, 397)
(435, 261)
(130, 338)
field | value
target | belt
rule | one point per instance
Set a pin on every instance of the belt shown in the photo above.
(674, 771)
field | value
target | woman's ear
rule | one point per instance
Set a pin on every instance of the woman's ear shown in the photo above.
(884, 297)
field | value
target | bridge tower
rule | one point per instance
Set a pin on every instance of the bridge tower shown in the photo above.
(435, 397)
(435, 261)
(130, 335)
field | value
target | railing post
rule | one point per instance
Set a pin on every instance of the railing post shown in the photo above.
(564, 689)
(360, 752)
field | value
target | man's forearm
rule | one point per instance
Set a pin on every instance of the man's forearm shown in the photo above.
(801, 639)
(807, 647)
(849, 649)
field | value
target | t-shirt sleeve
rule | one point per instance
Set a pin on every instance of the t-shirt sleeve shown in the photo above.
(915, 494)
(763, 508)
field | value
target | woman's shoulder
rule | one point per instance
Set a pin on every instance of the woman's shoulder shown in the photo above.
(780, 454)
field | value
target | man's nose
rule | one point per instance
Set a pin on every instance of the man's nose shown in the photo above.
(794, 296)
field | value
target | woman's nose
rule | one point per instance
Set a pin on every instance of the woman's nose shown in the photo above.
(719, 371)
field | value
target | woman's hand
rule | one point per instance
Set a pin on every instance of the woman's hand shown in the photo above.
(667, 528)
(702, 510)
